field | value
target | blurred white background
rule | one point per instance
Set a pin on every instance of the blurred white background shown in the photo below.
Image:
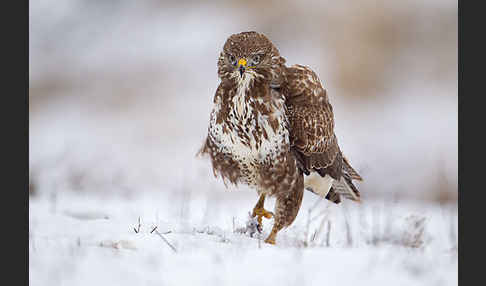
(120, 91)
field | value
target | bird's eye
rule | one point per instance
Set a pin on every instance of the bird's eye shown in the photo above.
(256, 60)
(232, 59)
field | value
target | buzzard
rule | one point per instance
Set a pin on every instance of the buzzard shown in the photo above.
(270, 126)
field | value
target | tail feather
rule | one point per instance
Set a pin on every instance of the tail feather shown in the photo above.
(350, 171)
(324, 185)
(346, 188)
(333, 196)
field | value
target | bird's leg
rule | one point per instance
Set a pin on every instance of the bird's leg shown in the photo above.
(260, 211)
(286, 208)
(271, 237)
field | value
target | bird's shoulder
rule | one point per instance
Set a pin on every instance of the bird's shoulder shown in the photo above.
(302, 85)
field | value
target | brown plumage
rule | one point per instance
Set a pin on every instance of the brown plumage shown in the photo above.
(271, 125)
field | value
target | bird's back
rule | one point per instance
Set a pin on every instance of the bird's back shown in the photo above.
(312, 139)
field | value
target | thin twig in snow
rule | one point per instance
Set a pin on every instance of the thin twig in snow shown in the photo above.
(322, 223)
(313, 237)
(328, 233)
(137, 230)
(307, 226)
(166, 241)
(349, 238)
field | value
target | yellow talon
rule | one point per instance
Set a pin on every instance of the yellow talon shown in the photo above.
(270, 241)
(261, 212)
(271, 237)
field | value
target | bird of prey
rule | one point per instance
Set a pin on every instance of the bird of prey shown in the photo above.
(270, 126)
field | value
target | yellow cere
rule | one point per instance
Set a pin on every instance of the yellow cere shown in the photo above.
(242, 62)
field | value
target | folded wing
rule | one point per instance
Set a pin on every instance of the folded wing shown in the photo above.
(312, 138)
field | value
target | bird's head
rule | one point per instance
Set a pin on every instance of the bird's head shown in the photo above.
(248, 56)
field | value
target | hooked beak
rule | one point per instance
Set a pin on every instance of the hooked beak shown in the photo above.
(242, 66)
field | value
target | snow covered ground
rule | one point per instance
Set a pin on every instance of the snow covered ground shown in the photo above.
(95, 171)
(76, 239)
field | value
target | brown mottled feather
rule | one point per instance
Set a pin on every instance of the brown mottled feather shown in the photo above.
(312, 137)
(270, 125)
(311, 119)
(352, 173)
(333, 196)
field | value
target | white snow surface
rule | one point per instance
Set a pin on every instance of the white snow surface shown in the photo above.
(76, 239)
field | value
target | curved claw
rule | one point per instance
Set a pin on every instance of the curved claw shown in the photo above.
(261, 212)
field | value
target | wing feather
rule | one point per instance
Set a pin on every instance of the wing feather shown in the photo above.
(312, 137)
(311, 118)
